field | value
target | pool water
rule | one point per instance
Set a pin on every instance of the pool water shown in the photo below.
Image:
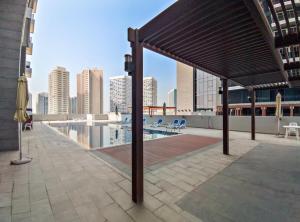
(103, 135)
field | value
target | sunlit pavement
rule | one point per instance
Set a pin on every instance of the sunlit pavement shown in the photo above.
(64, 182)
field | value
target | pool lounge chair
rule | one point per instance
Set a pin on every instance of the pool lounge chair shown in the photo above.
(158, 123)
(182, 124)
(173, 125)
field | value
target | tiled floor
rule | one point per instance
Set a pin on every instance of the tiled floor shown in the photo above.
(67, 183)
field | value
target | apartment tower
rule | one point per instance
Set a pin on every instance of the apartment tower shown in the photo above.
(150, 91)
(90, 91)
(120, 94)
(58, 91)
(172, 98)
(42, 103)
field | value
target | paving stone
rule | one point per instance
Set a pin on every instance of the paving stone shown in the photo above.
(123, 199)
(5, 213)
(23, 217)
(114, 213)
(139, 213)
(151, 189)
(126, 185)
(151, 203)
(5, 200)
(89, 213)
(20, 206)
(167, 214)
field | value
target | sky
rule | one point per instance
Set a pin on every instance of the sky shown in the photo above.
(93, 33)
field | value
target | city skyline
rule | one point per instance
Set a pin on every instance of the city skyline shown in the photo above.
(93, 48)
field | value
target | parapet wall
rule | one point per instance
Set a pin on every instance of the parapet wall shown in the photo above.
(65, 117)
(264, 124)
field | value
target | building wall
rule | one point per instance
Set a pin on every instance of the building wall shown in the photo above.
(90, 92)
(120, 94)
(185, 94)
(207, 87)
(59, 90)
(73, 105)
(172, 98)
(11, 24)
(150, 91)
(266, 124)
(66, 117)
(42, 103)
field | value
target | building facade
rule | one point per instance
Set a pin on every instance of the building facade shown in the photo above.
(150, 91)
(120, 94)
(73, 105)
(90, 91)
(265, 98)
(172, 98)
(58, 91)
(42, 103)
(197, 91)
(16, 18)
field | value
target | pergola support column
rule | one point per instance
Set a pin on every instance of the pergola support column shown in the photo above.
(225, 117)
(137, 118)
(253, 98)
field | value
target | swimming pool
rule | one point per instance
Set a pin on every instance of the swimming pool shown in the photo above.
(103, 135)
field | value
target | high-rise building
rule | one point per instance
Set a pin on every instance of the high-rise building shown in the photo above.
(185, 91)
(73, 105)
(42, 103)
(120, 94)
(172, 98)
(196, 90)
(150, 91)
(58, 91)
(29, 104)
(90, 92)
(265, 98)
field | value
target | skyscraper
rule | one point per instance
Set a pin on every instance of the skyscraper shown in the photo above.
(90, 92)
(172, 98)
(196, 90)
(120, 94)
(73, 105)
(29, 104)
(42, 103)
(58, 91)
(150, 91)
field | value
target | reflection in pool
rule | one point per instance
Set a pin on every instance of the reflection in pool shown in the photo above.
(103, 135)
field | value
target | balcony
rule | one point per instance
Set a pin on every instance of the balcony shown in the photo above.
(32, 24)
(29, 47)
(28, 70)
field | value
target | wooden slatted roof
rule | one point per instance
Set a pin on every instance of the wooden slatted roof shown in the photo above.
(230, 39)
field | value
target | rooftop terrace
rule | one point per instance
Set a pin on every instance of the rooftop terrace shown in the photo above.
(64, 182)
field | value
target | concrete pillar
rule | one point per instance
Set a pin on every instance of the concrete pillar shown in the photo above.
(263, 111)
(11, 24)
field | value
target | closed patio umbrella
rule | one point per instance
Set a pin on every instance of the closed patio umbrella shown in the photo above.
(21, 115)
(278, 113)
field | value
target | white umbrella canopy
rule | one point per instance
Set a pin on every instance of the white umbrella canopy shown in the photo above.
(278, 112)
(278, 105)
(22, 100)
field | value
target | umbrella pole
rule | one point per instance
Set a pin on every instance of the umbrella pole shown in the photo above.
(20, 140)
(21, 160)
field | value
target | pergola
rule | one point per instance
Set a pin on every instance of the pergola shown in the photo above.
(229, 39)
